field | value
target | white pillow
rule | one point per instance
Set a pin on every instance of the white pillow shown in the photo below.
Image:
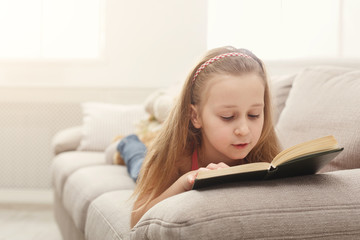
(102, 122)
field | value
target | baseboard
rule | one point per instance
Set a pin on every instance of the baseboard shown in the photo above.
(26, 196)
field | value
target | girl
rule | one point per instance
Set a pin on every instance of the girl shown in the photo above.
(222, 118)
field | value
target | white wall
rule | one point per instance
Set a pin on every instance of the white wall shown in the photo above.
(147, 44)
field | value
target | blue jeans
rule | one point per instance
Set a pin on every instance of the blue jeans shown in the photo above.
(133, 151)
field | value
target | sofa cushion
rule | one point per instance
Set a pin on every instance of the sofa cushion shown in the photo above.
(109, 216)
(88, 183)
(66, 140)
(102, 122)
(323, 206)
(280, 88)
(324, 101)
(67, 163)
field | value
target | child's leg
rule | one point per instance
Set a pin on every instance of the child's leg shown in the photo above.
(133, 151)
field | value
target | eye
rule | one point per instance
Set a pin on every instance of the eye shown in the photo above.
(227, 118)
(254, 116)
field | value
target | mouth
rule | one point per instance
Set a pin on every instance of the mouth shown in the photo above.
(241, 145)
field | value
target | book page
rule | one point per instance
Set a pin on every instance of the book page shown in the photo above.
(250, 167)
(310, 147)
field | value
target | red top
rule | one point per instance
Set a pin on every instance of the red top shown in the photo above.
(194, 164)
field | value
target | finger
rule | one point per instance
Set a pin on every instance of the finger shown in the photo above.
(223, 165)
(202, 169)
(196, 172)
(193, 175)
(212, 166)
(190, 179)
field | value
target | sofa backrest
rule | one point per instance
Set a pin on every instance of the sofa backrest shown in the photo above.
(324, 101)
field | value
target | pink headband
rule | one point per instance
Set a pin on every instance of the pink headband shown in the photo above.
(211, 60)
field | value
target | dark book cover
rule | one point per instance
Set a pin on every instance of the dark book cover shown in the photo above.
(304, 165)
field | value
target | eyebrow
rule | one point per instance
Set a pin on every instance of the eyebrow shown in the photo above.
(254, 105)
(258, 105)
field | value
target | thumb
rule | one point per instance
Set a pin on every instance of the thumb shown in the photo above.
(190, 179)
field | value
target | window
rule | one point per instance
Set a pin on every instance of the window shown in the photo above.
(285, 29)
(50, 29)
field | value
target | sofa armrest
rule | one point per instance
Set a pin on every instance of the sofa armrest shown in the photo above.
(110, 152)
(66, 140)
(308, 207)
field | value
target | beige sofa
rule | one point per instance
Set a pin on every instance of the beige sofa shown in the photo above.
(92, 196)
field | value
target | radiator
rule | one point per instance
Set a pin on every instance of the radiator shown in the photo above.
(25, 142)
(31, 116)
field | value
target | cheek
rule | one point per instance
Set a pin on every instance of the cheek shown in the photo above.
(217, 133)
(215, 129)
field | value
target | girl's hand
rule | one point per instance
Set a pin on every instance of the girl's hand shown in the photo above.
(188, 179)
(191, 176)
(214, 166)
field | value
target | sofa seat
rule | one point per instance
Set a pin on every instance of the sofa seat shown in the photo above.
(88, 183)
(79, 177)
(109, 216)
(67, 163)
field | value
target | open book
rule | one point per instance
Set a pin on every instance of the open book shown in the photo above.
(301, 159)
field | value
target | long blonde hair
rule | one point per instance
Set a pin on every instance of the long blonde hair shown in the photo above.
(178, 137)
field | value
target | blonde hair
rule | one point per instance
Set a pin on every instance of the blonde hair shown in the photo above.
(178, 137)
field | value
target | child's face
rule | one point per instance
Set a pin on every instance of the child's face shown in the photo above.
(231, 117)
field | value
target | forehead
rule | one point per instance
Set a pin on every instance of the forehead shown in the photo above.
(240, 90)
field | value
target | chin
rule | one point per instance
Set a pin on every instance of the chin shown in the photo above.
(240, 156)
(235, 162)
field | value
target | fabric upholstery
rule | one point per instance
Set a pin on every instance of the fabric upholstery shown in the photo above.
(87, 183)
(67, 163)
(324, 101)
(102, 122)
(280, 88)
(109, 210)
(110, 152)
(66, 140)
(65, 222)
(322, 206)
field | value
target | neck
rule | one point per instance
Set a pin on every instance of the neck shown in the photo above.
(207, 156)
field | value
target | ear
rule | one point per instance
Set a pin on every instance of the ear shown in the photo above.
(195, 117)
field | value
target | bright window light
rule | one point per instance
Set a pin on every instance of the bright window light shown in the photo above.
(50, 29)
(277, 29)
(351, 36)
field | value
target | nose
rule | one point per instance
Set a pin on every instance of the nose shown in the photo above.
(242, 129)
